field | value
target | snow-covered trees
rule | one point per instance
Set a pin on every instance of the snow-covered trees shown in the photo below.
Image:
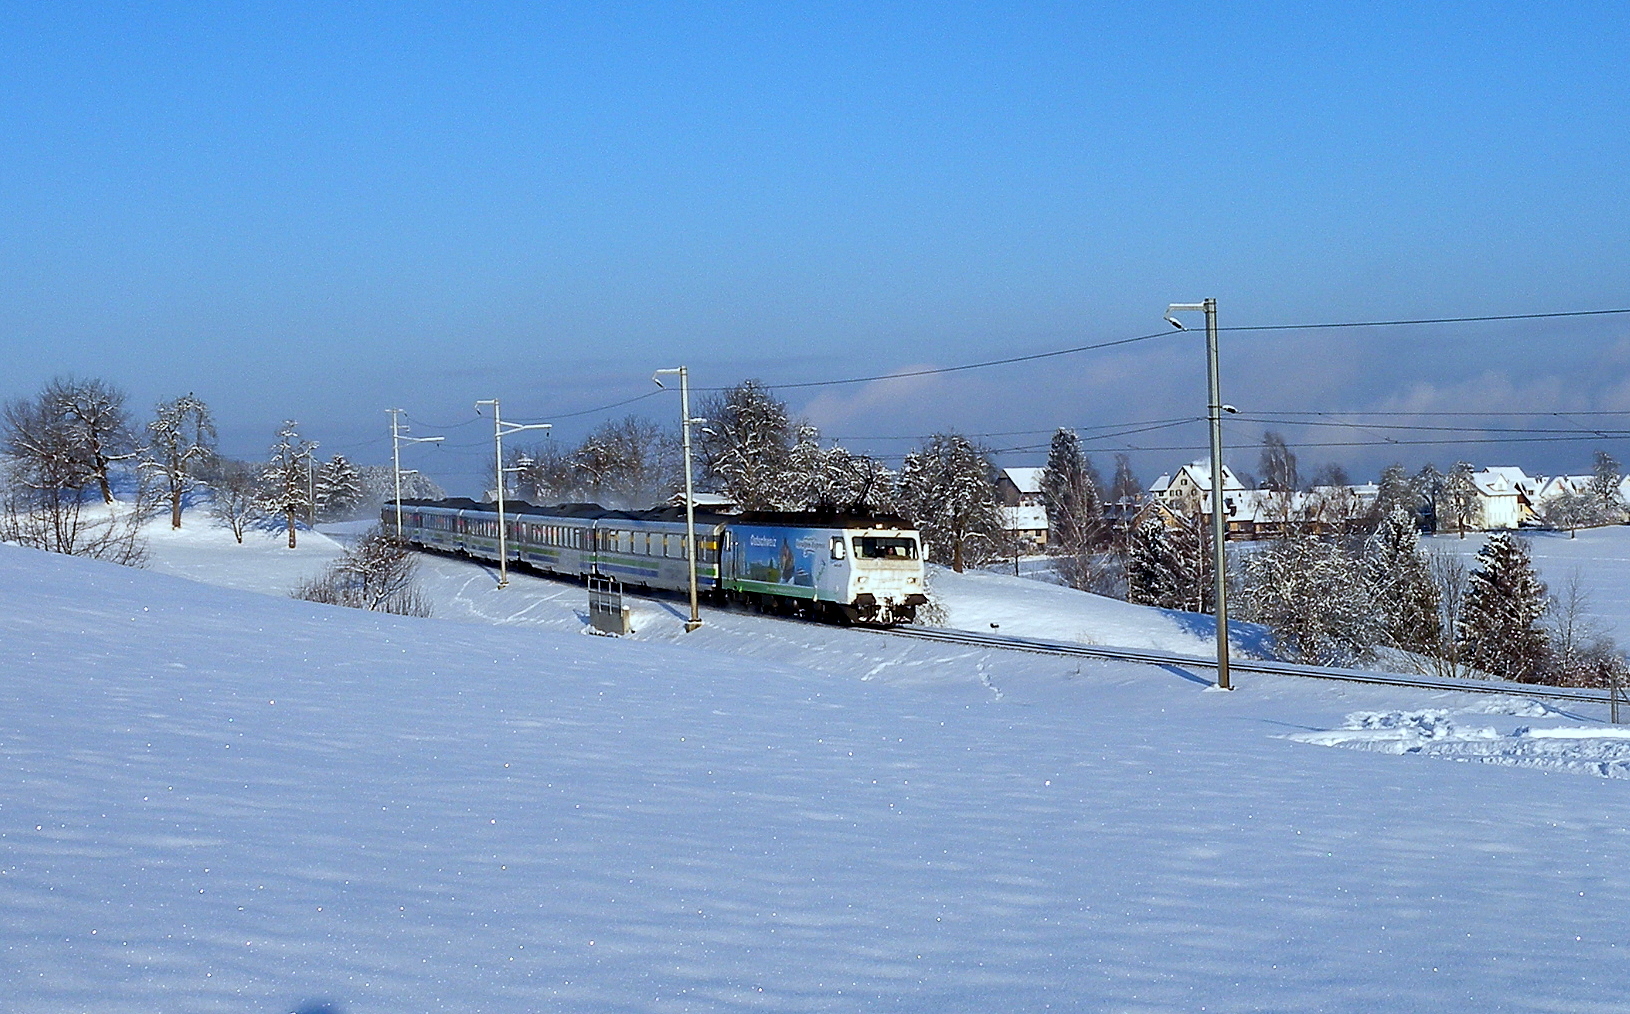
(1170, 565)
(285, 480)
(1311, 592)
(1075, 511)
(339, 489)
(60, 446)
(377, 573)
(745, 444)
(631, 463)
(1605, 480)
(948, 489)
(1500, 631)
(1125, 487)
(181, 442)
(70, 434)
(1399, 580)
(379, 484)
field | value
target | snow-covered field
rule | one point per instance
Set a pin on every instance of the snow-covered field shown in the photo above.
(220, 800)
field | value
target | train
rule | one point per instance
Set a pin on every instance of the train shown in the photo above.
(844, 568)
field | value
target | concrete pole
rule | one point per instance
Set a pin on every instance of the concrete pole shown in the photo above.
(1219, 523)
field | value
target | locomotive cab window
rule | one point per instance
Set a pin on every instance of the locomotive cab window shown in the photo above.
(838, 551)
(868, 547)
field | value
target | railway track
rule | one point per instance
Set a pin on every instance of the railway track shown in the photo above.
(1151, 657)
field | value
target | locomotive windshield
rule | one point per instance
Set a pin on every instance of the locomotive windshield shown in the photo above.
(874, 548)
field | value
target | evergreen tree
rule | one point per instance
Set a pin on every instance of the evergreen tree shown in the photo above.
(1069, 491)
(745, 444)
(339, 489)
(1500, 620)
(1148, 565)
(948, 489)
(1400, 584)
(1170, 566)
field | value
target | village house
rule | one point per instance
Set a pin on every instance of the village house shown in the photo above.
(1019, 487)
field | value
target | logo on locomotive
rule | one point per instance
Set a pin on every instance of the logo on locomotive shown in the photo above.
(780, 556)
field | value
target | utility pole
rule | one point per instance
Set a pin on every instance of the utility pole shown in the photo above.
(1219, 526)
(499, 428)
(398, 434)
(685, 422)
(311, 484)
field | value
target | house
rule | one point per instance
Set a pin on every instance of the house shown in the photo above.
(1502, 498)
(1027, 526)
(1189, 491)
(1019, 487)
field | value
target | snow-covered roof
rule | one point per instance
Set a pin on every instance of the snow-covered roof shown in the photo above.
(1161, 484)
(1025, 480)
(1199, 473)
(1024, 519)
(1493, 482)
(1514, 476)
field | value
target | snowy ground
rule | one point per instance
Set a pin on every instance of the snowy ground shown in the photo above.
(216, 800)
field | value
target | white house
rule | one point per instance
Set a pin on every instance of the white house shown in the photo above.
(1027, 524)
(1189, 491)
(1502, 498)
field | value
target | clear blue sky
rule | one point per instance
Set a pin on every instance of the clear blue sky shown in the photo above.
(321, 211)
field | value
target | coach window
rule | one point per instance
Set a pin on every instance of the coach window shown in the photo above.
(837, 547)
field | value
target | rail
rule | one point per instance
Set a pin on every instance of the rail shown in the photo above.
(1152, 657)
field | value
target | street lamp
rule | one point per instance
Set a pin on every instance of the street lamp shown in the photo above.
(685, 422)
(1219, 531)
(499, 428)
(397, 431)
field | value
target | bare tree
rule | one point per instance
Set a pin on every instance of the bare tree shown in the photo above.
(1459, 498)
(1278, 464)
(235, 495)
(181, 440)
(377, 574)
(98, 423)
(59, 520)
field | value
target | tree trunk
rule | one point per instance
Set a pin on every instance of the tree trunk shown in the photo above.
(290, 516)
(175, 508)
(107, 491)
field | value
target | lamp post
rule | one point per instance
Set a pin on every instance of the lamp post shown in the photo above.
(397, 436)
(499, 428)
(1219, 531)
(685, 422)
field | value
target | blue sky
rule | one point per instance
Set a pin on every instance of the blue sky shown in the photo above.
(322, 211)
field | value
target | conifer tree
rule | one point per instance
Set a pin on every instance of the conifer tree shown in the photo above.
(1500, 620)
(339, 489)
(1069, 491)
(1400, 584)
(1148, 569)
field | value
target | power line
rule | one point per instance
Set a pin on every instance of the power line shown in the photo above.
(1426, 320)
